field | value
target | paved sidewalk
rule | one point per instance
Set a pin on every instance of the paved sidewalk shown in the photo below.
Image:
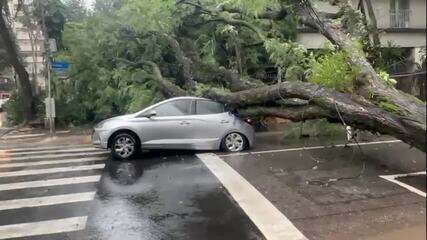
(39, 137)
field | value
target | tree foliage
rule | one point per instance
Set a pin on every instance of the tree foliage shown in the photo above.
(128, 53)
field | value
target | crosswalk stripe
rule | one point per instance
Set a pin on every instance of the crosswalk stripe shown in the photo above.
(49, 183)
(52, 156)
(45, 148)
(51, 170)
(72, 150)
(40, 163)
(46, 201)
(43, 227)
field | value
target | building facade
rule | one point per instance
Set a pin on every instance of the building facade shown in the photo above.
(401, 24)
(30, 41)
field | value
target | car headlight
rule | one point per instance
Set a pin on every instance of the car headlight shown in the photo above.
(100, 124)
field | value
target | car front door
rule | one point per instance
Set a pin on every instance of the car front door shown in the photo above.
(169, 127)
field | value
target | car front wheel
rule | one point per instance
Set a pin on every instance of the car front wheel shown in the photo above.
(234, 142)
(124, 146)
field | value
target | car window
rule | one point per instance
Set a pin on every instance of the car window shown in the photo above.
(208, 107)
(174, 108)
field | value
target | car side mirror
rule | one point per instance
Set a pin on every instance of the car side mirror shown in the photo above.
(150, 114)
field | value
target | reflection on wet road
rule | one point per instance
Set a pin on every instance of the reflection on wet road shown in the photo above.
(167, 197)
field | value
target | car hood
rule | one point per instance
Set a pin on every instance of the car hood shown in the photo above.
(122, 117)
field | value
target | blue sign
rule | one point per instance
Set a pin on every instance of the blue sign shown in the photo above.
(60, 65)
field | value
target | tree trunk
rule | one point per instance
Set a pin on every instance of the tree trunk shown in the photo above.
(412, 111)
(373, 26)
(14, 60)
(349, 109)
(353, 110)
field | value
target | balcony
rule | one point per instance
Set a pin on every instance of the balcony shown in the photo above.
(400, 18)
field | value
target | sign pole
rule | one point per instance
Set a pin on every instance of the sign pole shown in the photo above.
(50, 102)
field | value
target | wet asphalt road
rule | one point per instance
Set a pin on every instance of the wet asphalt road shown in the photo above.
(171, 197)
(332, 193)
(158, 196)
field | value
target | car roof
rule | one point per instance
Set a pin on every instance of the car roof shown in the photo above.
(189, 97)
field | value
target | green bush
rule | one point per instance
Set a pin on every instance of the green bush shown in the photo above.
(15, 110)
(333, 71)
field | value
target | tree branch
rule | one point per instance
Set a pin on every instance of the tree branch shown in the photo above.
(184, 62)
(370, 85)
(356, 111)
(168, 88)
(295, 114)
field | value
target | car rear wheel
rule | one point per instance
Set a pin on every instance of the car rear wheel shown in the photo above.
(124, 146)
(234, 142)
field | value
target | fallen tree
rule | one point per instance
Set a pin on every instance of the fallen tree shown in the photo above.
(363, 111)
(222, 50)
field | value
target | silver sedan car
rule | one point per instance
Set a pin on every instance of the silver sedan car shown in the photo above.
(178, 123)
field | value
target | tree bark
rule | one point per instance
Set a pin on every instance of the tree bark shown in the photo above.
(411, 110)
(296, 113)
(14, 60)
(184, 62)
(373, 26)
(353, 110)
(349, 109)
(168, 88)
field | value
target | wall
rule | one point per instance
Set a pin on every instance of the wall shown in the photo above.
(414, 36)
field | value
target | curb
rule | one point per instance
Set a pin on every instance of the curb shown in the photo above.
(6, 132)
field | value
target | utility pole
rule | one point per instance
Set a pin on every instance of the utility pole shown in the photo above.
(50, 104)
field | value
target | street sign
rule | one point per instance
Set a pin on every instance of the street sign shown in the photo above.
(50, 107)
(60, 65)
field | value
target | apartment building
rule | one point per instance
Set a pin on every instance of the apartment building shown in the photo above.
(400, 22)
(30, 42)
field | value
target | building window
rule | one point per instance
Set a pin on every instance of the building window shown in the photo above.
(399, 13)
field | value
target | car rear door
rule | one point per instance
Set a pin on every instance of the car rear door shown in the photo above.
(209, 124)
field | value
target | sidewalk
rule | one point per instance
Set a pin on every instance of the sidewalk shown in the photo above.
(10, 138)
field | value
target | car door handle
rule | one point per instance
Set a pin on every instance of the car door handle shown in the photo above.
(224, 121)
(184, 123)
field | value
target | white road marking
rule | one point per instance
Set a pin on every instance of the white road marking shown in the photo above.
(52, 156)
(269, 220)
(40, 163)
(393, 179)
(49, 183)
(43, 227)
(71, 150)
(51, 170)
(46, 201)
(44, 148)
(308, 148)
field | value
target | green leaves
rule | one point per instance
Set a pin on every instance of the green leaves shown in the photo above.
(292, 58)
(146, 16)
(250, 7)
(333, 71)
